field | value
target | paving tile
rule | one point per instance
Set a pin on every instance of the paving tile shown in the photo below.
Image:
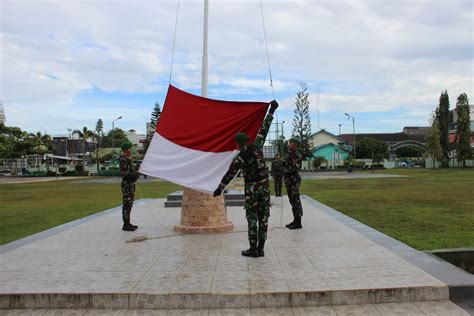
(106, 312)
(440, 308)
(355, 310)
(230, 312)
(23, 312)
(402, 309)
(282, 311)
(314, 311)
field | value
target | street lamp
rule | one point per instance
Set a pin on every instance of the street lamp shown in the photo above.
(353, 133)
(113, 138)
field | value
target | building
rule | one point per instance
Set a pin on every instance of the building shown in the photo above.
(2, 114)
(137, 139)
(323, 137)
(416, 130)
(335, 155)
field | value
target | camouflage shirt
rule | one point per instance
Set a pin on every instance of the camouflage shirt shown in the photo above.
(277, 168)
(292, 162)
(250, 160)
(126, 169)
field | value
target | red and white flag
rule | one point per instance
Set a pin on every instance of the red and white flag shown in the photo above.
(193, 144)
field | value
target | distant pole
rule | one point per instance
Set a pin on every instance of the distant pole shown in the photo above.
(318, 108)
(340, 129)
(113, 139)
(204, 51)
(353, 133)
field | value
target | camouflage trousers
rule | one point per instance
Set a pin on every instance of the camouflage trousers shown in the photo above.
(128, 195)
(292, 183)
(278, 179)
(257, 209)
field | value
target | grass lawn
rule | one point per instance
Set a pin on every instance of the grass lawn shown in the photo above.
(427, 210)
(26, 209)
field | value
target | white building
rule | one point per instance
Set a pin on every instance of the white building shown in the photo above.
(136, 139)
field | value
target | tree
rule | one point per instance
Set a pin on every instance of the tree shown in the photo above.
(85, 134)
(155, 118)
(462, 143)
(40, 141)
(14, 143)
(99, 133)
(318, 161)
(368, 148)
(302, 121)
(443, 118)
(409, 151)
(433, 144)
(119, 137)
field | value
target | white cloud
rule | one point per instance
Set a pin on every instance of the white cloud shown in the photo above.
(366, 56)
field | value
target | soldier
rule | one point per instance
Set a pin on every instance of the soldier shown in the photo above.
(292, 164)
(257, 188)
(277, 173)
(129, 177)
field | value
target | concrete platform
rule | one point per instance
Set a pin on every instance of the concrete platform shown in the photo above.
(92, 264)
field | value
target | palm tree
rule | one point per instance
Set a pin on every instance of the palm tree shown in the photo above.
(85, 134)
(40, 140)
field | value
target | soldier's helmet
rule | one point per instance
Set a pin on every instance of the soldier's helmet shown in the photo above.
(241, 137)
(126, 145)
(295, 140)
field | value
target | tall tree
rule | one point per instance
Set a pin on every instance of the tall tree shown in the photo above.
(85, 134)
(99, 133)
(40, 141)
(155, 118)
(462, 143)
(302, 121)
(443, 118)
(14, 142)
(433, 144)
(118, 135)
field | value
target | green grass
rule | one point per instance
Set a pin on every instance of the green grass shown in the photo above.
(26, 209)
(427, 210)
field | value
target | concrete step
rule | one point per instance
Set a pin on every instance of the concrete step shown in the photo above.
(232, 198)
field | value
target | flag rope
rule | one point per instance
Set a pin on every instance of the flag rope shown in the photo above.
(174, 41)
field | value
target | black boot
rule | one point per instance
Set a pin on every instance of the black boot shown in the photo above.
(290, 224)
(134, 226)
(128, 227)
(251, 252)
(296, 224)
(261, 245)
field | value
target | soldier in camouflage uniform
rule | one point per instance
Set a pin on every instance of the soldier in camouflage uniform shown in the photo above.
(129, 177)
(257, 188)
(292, 164)
(277, 173)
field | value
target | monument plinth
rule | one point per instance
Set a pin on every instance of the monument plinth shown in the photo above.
(203, 213)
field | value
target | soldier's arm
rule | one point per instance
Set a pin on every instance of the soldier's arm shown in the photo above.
(262, 133)
(293, 164)
(231, 173)
(123, 167)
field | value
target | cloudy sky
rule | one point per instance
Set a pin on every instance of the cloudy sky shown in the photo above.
(64, 64)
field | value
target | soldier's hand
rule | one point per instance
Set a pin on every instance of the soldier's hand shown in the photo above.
(217, 192)
(273, 106)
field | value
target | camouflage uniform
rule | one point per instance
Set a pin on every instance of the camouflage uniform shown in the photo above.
(292, 164)
(257, 188)
(277, 173)
(129, 177)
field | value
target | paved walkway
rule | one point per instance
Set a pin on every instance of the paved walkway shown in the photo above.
(96, 265)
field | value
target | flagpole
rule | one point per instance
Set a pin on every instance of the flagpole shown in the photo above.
(201, 212)
(204, 51)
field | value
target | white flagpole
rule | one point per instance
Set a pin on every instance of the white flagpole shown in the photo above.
(204, 51)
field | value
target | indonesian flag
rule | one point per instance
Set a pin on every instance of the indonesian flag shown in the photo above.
(193, 144)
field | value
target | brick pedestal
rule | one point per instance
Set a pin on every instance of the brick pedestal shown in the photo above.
(202, 213)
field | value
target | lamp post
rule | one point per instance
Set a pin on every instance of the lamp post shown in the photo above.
(353, 133)
(340, 129)
(113, 138)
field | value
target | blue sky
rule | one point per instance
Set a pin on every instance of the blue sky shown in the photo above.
(385, 62)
